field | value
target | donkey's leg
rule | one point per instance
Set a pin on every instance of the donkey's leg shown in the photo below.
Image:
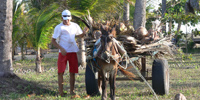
(100, 82)
(104, 93)
(112, 80)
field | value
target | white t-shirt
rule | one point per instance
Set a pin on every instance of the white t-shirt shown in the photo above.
(66, 36)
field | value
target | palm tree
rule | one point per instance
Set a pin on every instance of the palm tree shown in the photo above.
(18, 35)
(126, 12)
(39, 36)
(6, 37)
(139, 14)
(164, 4)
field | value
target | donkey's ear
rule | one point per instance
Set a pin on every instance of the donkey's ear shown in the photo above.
(114, 27)
(102, 27)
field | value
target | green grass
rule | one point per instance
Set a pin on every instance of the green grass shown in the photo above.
(43, 86)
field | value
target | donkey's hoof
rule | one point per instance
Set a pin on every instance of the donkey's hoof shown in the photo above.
(113, 98)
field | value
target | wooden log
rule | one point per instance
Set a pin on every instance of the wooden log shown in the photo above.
(126, 78)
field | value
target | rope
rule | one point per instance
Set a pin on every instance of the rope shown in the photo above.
(136, 71)
(118, 62)
(143, 78)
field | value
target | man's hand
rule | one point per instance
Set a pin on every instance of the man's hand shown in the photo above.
(84, 32)
(63, 52)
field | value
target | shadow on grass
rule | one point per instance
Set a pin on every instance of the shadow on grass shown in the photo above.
(13, 87)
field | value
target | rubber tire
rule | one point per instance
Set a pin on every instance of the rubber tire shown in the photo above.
(160, 76)
(90, 82)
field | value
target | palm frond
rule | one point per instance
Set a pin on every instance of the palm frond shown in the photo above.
(39, 19)
(42, 20)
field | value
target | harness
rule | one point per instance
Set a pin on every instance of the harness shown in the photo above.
(107, 56)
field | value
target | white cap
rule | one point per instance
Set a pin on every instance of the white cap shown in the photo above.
(66, 14)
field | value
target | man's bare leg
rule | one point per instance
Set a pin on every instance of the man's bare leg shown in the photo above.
(72, 82)
(60, 83)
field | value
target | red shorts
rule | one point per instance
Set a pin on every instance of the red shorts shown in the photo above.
(73, 62)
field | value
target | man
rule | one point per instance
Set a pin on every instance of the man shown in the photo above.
(65, 32)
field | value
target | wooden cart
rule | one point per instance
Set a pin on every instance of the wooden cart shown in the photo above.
(160, 69)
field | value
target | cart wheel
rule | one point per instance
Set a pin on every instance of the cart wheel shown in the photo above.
(160, 76)
(91, 82)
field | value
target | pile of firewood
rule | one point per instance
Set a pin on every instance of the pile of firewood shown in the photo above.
(129, 42)
(134, 41)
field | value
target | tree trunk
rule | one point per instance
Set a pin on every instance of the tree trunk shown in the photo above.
(163, 15)
(194, 4)
(13, 53)
(81, 54)
(139, 14)
(38, 61)
(126, 12)
(163, 8)
(179, 27)
(22, 52)
(6, 7)
(170, 27)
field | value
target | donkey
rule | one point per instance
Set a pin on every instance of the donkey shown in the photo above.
(108, 60)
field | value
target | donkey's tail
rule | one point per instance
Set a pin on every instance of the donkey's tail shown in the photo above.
(127, 73)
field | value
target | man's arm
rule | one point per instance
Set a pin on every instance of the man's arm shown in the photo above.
(58, 46)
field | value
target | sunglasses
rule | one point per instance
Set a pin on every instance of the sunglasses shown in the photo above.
(66, 15)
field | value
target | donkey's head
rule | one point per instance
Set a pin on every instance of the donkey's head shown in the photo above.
(108, 33)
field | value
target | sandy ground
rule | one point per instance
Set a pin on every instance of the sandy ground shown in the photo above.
(49, 55)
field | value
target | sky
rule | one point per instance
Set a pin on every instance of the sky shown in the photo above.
(155, 3)
(184, 28)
